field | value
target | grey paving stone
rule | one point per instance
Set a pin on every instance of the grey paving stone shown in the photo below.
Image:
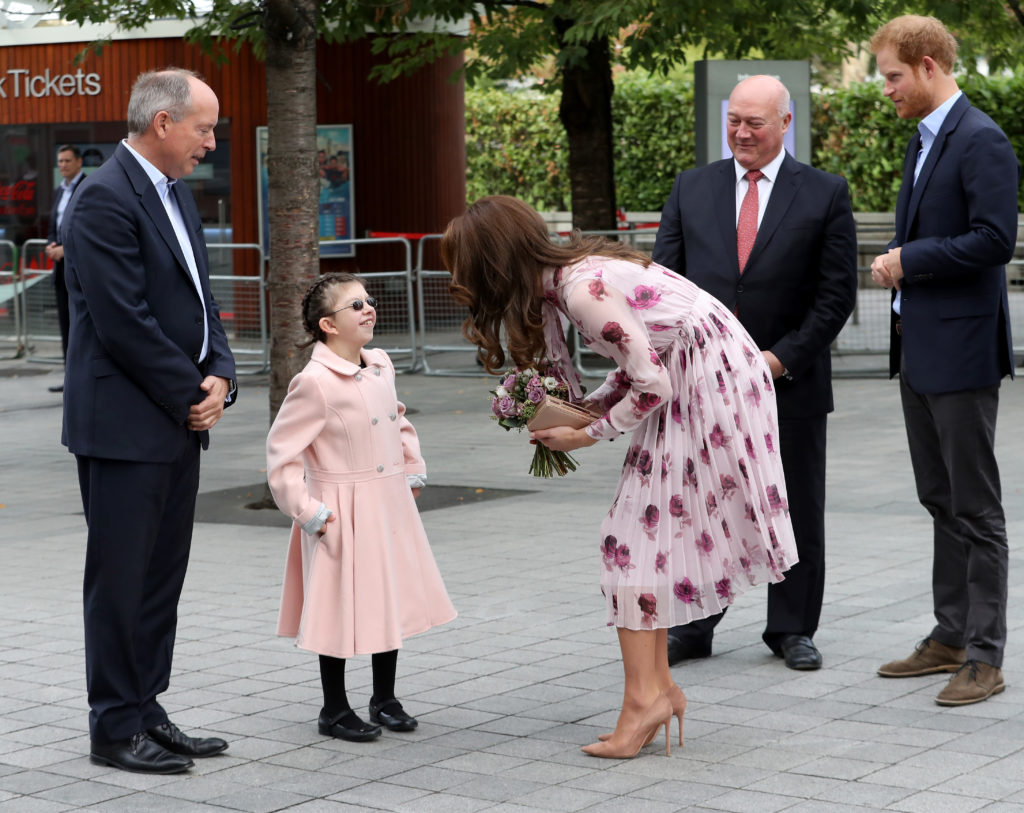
(743, 801)
(931, 802)
(30, 804)
(29, 782)
(528, 673)
(379, 795)
(83, 793)
(563, 799)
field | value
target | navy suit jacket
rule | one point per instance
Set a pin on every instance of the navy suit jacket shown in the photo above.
(51, 235)
(800, 282)
(133, 367)
(958, 228)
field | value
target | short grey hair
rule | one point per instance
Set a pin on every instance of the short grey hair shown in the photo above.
(784, 102)
(154, 91)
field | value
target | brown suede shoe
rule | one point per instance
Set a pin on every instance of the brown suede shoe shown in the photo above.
(974, 681)
(929, 657)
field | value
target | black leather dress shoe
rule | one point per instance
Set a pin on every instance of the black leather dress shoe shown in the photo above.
(138, 754)
(170, 737)
(56, 388)
(346, 725)
(799, 652)
(392, 716)
(680, 649)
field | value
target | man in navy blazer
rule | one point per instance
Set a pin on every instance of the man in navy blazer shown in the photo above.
(793, 294)
(69, 165)
(148, 374)
(956, 227)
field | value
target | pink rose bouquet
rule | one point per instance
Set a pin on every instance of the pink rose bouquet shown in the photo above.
(515, 401)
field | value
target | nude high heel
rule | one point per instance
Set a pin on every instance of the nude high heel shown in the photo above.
(677, 698)
(658, 714)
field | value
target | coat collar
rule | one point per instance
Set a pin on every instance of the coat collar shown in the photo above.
(322, 354)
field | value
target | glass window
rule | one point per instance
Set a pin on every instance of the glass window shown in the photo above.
(29, 176)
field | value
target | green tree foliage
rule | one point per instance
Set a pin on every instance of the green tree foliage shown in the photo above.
(515, 145)
(654, 127)
(856, 133)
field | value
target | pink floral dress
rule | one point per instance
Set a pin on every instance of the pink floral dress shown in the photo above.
(700, 513)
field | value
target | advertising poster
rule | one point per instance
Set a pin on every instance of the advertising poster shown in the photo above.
(336, 207)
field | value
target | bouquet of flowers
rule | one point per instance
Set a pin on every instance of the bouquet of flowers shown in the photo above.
(515, 402)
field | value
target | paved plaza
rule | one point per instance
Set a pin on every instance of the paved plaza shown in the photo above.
(528, 673)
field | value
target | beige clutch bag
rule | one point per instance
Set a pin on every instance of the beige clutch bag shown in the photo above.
(553, 411)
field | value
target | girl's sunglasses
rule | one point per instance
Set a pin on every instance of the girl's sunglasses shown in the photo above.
(357, 305)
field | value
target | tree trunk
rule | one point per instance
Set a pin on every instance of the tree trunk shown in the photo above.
(586, 114)
(290, 27)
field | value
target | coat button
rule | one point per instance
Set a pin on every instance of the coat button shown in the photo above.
(374, 421)
(392, 416)
(376, 370)
(380, 468)
(359, 376)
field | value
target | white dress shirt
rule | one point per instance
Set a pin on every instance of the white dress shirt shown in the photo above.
(67, 189)
(163, 186)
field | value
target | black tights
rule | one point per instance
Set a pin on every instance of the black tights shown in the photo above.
(332, 678)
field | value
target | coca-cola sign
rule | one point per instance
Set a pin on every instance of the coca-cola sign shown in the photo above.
(21, 83)
(18, 198)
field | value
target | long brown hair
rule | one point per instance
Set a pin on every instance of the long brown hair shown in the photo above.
(496, 252)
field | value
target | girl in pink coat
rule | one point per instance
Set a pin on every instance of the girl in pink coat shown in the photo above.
(344, 463)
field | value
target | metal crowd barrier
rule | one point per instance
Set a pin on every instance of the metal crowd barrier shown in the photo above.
(444, 350)
(10, 301)
(425, 323)
(241, 299)
(38, 304)
(243, 304)
(393, 291)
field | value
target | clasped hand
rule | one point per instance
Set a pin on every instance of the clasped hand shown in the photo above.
(207, 412)
(562, 438)
(887, 269)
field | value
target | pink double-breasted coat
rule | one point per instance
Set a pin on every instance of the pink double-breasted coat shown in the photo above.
(341, 438)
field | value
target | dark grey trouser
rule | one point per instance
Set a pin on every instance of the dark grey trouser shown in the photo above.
(952, 449)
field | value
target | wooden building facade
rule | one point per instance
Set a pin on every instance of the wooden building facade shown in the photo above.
(406, 158)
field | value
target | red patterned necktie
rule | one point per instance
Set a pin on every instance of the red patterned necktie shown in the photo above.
(746, 227)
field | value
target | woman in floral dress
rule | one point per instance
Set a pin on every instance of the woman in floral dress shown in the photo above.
(700, 513)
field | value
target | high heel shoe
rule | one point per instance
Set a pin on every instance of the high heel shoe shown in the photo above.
(677, 698)
(658, 714)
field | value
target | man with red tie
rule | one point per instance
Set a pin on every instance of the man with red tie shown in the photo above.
(775, 241)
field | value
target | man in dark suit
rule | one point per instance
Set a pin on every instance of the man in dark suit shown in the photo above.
(775, 241)
(69, 164)
(956, 227)
(148, 374)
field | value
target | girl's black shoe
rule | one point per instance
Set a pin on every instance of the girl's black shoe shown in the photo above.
(346, 725)
(391, 715)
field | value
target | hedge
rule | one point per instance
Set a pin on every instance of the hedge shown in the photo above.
(515, 144)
